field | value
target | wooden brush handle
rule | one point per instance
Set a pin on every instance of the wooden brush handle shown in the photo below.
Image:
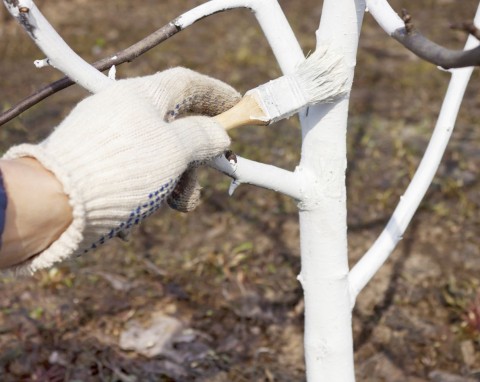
(246, 112)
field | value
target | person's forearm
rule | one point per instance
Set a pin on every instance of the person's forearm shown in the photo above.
(37, 211)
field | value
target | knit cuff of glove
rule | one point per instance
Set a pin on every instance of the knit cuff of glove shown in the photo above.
(68, 242)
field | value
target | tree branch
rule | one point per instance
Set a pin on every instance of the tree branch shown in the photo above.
(243, 170)
(468, 27)
(382, 248)
(404, 32)
(426, 49)
(59, 54)
(278, 33)
(379, 252)
(126, 55)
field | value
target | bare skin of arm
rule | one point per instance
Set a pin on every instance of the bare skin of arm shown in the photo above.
(37, 212)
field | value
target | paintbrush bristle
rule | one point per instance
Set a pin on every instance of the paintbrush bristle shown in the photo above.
(322, 77)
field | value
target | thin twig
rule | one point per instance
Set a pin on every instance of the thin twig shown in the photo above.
(468, 27)
(126, 55)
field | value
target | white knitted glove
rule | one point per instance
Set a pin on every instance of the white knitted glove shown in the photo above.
(118, 156)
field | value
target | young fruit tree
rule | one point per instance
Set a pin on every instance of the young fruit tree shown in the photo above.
(317, 88)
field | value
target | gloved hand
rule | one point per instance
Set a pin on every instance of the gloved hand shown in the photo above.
(121, 152)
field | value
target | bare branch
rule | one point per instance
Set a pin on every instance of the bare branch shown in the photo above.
(126, 55)
(432, 52)
(468, 27)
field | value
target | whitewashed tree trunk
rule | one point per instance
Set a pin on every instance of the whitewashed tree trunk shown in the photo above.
(323, 212)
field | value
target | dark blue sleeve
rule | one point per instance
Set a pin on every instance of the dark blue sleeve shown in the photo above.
(3, 207)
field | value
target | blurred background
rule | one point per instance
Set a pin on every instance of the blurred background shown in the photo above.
(213, 295)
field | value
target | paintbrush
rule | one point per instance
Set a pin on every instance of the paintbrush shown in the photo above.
(322, 77)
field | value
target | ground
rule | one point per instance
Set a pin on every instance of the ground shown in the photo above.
(222, 280)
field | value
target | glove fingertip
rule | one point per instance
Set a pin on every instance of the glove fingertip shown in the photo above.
(186, 195)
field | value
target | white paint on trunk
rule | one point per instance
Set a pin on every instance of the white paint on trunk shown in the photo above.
(323, 213)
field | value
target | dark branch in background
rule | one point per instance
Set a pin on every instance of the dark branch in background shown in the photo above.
(414, 41)
(467, 27)
(126, 55)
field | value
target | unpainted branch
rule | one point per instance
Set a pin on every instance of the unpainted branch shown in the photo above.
(426, 49)
(126, 55)
(467, 27)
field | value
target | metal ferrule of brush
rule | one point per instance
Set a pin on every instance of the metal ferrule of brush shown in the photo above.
(279, 98)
